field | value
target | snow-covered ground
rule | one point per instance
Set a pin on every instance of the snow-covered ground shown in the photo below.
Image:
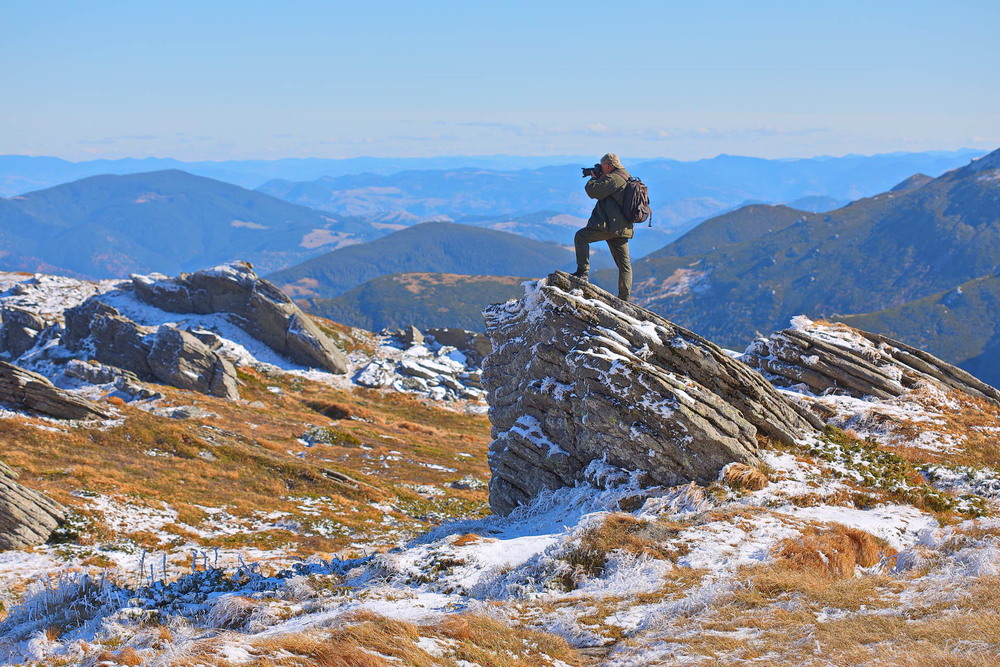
(514, 568)
(678, 570)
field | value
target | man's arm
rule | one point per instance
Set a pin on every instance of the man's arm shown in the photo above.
(605, 186)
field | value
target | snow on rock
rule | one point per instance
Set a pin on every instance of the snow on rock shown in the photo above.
(433, 370)
(835, 358)
(577, 375)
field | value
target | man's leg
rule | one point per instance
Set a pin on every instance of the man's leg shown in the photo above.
(620, 253)
(582, 241)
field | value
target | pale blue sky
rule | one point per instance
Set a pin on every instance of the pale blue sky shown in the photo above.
(236, 80)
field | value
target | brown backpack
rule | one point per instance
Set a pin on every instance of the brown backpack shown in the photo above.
(635, 202)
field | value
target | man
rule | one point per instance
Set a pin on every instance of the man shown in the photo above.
(607, 223)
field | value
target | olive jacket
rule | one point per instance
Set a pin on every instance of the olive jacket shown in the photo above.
(609, 192)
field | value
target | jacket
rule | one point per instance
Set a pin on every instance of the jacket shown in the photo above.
(609, 192)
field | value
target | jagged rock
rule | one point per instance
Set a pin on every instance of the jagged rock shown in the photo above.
(578, 375)
(474, 345)
(180, 359)
(34, 392)
(410, 336)
(94, 372)
(27, 517)
(828, 357)
(108, 336)
(19, 331)
(254, 304)
(165, 354)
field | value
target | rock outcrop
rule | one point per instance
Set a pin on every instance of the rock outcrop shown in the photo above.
(577, 375)
(831, 357)
(27, 517)
(253, 304)
(18, 331)
(31, 391)
(163, 354)
(410, 363)
(474, 345)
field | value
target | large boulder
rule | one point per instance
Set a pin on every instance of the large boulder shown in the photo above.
(19, 330)
(829, 357)
(254, 304)
(164, 354)
(31, 391)
(27, 517)
(577, 375)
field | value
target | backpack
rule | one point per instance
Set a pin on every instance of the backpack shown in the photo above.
(635, 202)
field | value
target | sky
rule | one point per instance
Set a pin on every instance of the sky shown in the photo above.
(220, 80)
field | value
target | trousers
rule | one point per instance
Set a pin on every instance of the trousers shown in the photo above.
(619, 253)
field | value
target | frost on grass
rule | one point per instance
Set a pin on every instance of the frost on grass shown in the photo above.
(606, 563)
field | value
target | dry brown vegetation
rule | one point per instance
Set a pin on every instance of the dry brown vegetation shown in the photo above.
(364, 639)
(620, 532)
(740, 476)
(248, 460)
(833, 550)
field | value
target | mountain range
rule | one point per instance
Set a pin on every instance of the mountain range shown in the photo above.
(166, 221)
(681, 193)
(896, 256)
(424, 300)
(432, 247)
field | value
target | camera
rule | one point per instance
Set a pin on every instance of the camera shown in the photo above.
(596, 171)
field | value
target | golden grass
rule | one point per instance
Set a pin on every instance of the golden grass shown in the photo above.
(623, 532)
(742, 477)
(835, 551)
(364, 639)
(126, 656)
(240, 459)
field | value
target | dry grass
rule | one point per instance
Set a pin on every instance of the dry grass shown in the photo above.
(834, 551)
(742, 477)
(364, 639)
(620, 532)
(417, 428)
(126, 656)
(244, 459)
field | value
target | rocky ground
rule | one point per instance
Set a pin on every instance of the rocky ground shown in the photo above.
(342, 519)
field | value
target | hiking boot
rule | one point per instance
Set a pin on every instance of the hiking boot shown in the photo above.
(582, 275)
(623, 298)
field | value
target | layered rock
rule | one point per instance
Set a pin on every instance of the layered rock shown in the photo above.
(19, 330)
(827, 357)
(163, 354)
(31, 391)
(254, 304)
(577, 375)
(27, 518)
(474, 345)
(408, 362)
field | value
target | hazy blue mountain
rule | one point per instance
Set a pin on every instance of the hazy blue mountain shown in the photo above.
(817, 203)
(22, 173)
(433, 247)
(167, 221)
(681, 193)
(425, 300)
(753, 269)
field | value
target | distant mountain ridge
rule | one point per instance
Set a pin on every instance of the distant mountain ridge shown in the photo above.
(681, 193)
(165, 221)
(424, 300)
(432, 247)
(751, 270)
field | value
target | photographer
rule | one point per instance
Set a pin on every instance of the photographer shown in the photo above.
(607, 222)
